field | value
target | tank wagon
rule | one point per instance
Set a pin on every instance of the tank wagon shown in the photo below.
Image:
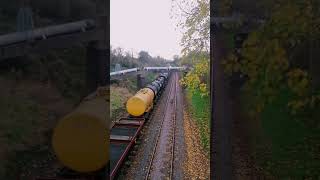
(142, 101)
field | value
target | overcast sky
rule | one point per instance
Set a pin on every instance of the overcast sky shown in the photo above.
(144, 25)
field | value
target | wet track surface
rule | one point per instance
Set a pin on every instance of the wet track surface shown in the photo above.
(161, 164)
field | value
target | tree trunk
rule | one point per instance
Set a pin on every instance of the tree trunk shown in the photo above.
(221, 109)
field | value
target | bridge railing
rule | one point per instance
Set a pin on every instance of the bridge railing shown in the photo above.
(122, 72)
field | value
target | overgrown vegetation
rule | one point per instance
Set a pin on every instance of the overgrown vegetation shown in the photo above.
(200, 110)
(197, 79)
(194, 20)
(118, 97)
(271, 57)
(283, 145)
(279, 59)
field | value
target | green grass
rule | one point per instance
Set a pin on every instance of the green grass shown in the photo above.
(129, 82)
(285, 147)
(118, 98)
(17, 117)
(21, 161)
(200, 109)
(151, 77)
(18, 126)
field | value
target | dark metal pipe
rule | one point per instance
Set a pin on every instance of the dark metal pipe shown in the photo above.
(47, 32)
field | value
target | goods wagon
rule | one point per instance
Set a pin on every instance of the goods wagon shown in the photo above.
(142, 101)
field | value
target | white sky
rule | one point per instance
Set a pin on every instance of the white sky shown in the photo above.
(137, 25)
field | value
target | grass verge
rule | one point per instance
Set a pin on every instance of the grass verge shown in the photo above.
(118, 97)
(200, 110)
(283, 145)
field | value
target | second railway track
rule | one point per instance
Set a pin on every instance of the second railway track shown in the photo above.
(162, 157)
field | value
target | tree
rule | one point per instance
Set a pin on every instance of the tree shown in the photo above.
(274, 57)
(176, 60)
(144, 56)
(194, 20)
(176, 57)
(126, 60)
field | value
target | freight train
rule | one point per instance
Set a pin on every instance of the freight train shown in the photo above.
(80, 139)
(142, 101)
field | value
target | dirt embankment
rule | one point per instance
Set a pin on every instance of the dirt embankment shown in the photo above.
(118, 97)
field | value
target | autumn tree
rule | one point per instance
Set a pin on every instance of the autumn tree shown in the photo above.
(281, 56)
(194, 20)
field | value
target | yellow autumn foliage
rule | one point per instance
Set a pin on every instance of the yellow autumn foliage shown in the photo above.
(196, 79)
(265, 56)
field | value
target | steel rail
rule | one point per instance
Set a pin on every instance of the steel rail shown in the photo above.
(174, 131)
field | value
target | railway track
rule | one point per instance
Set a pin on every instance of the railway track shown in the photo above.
(162, 157)
(125, 131)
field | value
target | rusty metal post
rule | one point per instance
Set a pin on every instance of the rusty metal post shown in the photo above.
(140, 81)
(91, 76)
